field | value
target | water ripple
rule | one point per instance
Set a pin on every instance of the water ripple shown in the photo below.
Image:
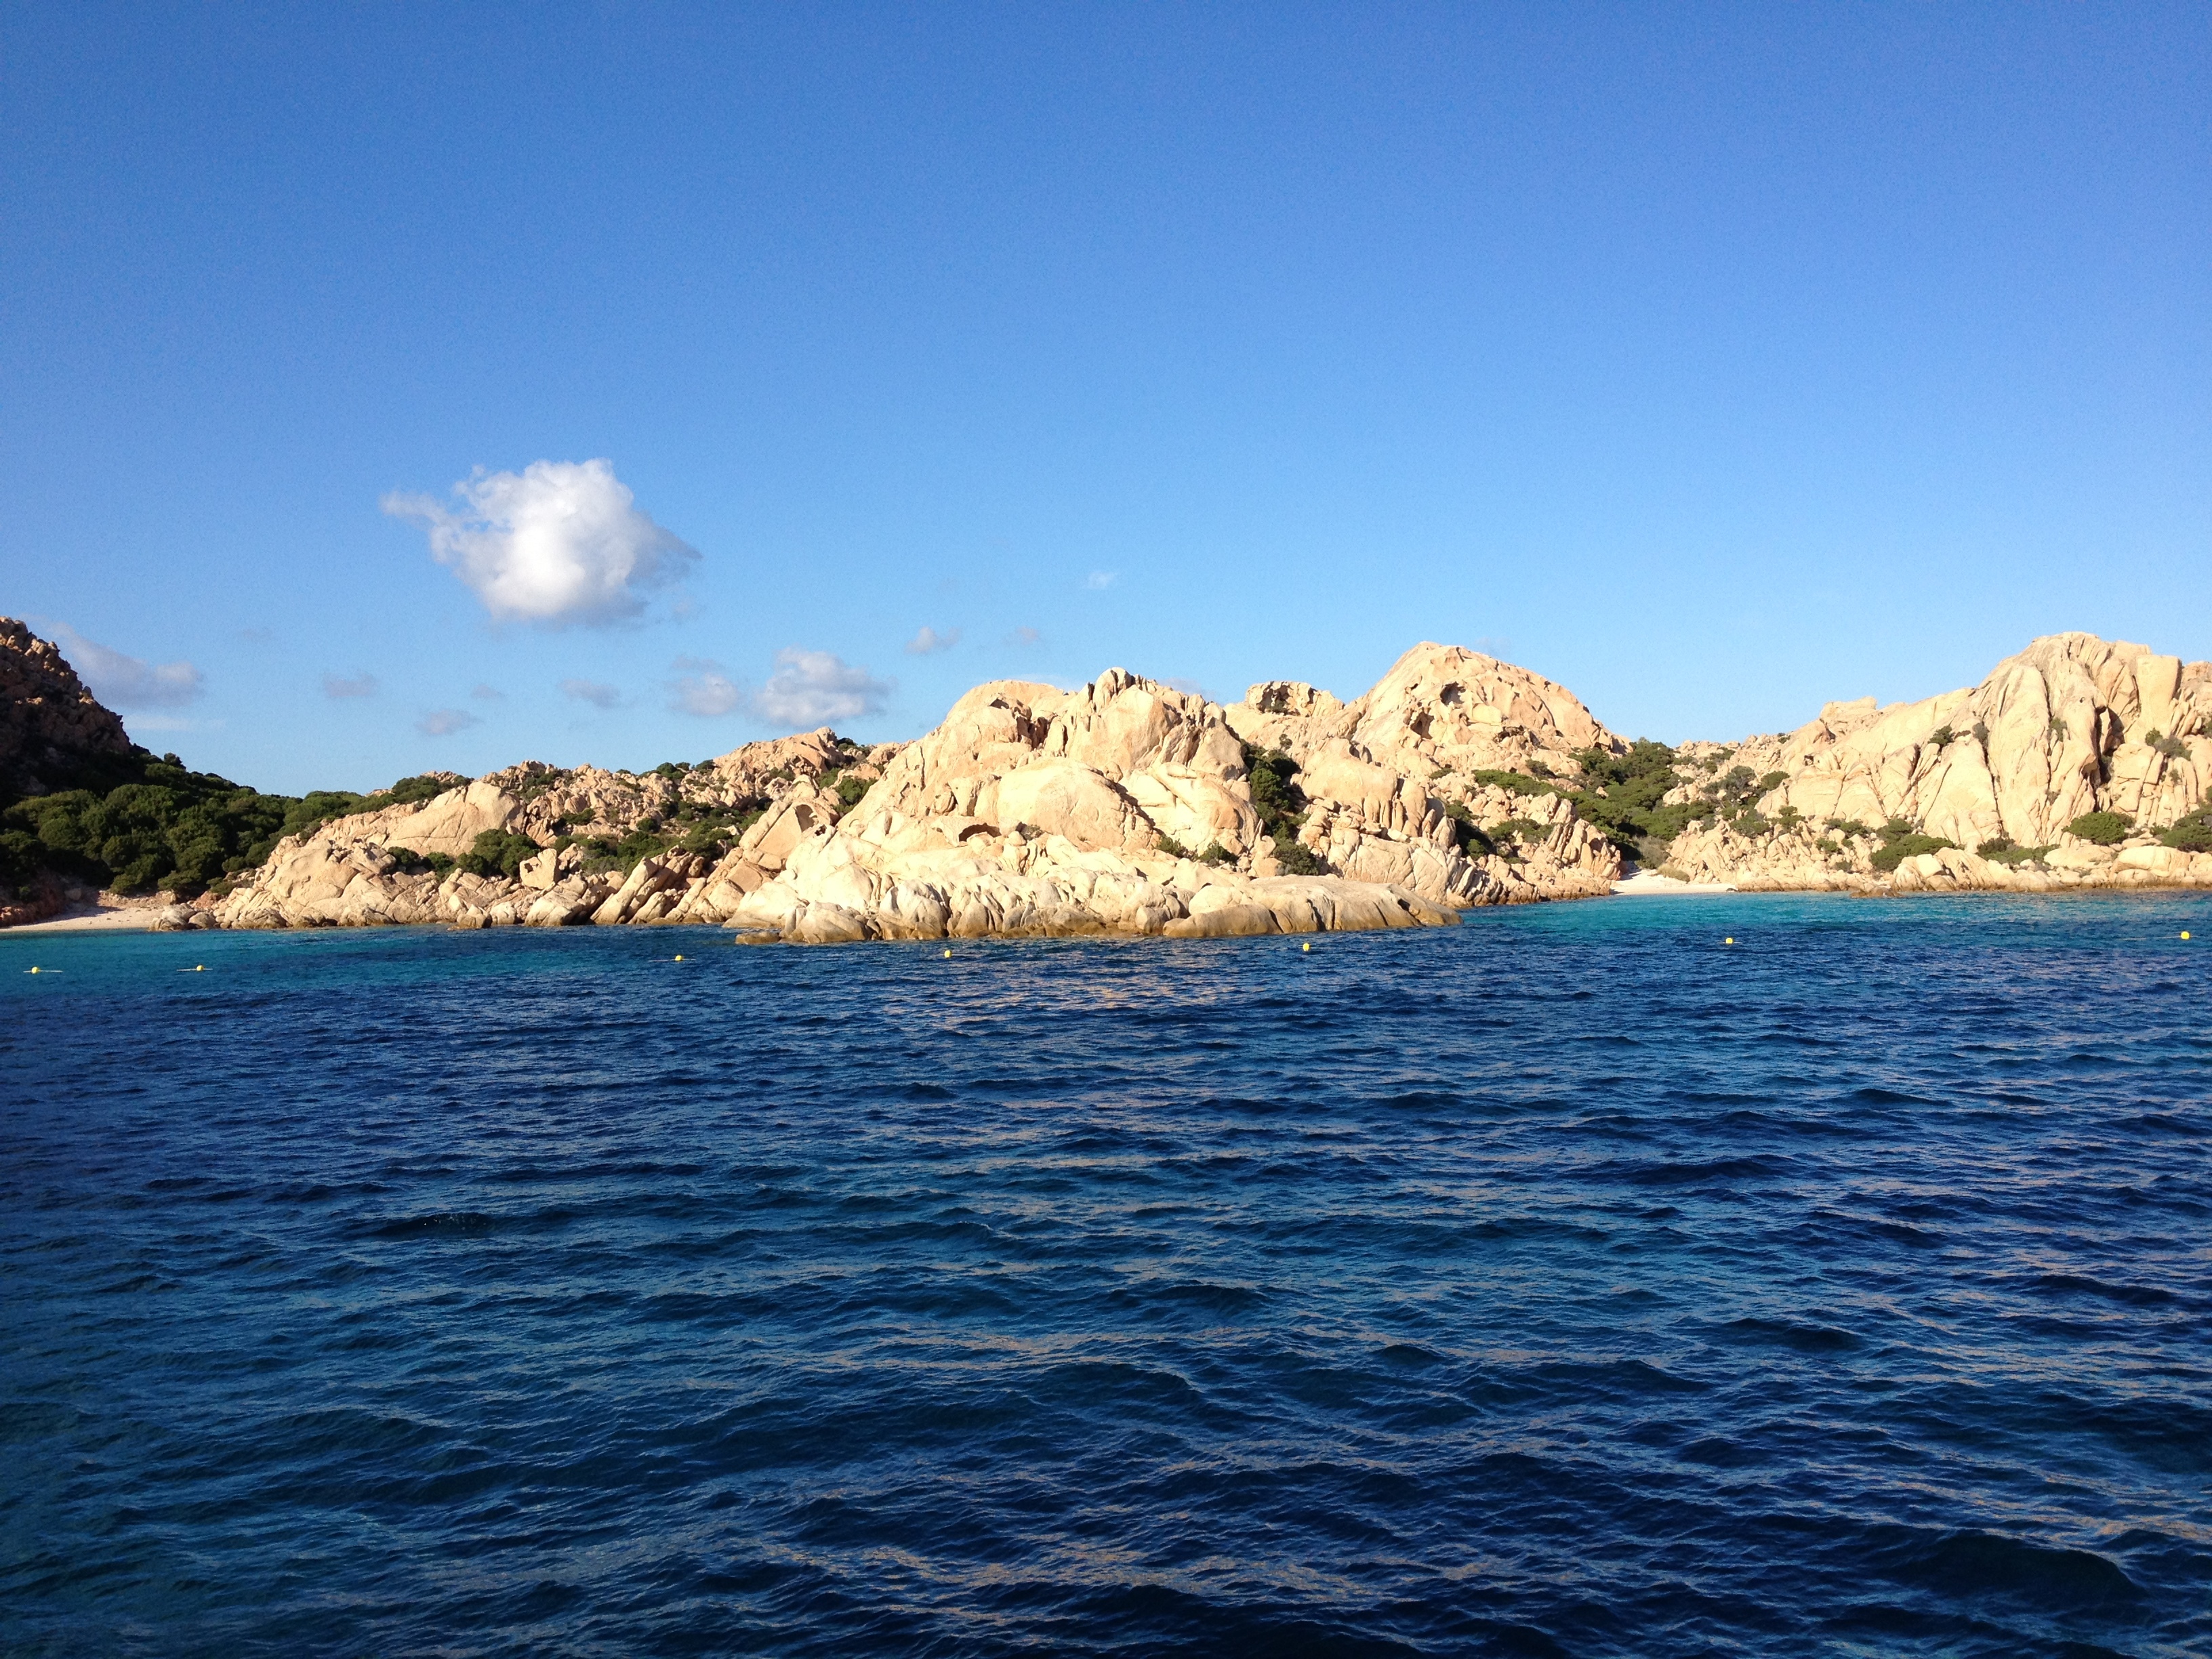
(1559, 1284)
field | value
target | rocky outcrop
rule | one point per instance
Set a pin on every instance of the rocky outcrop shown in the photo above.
(51, 727)
(2073, 726)
(1128, 806)
(1123, 806)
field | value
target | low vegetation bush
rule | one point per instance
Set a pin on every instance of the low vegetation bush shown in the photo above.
(2171, 748)
(496, 853)
(1625, 797)
(1273, 777)
(2105, 828)
(1468, 836)
(2192, 834)
(1909, 845)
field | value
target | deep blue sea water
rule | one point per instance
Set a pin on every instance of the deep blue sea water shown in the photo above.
(1569, 1282)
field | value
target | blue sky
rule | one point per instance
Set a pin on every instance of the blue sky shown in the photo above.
(1714, 361)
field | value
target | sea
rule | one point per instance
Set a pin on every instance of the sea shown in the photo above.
(1741, 1274)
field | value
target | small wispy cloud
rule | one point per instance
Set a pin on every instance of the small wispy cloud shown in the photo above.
(1024, 636)
(337, 687)
(123, 681)
(929, 642)
(590, 691)
(486, 693)
(1190, 687)
(814, 687)
(702, 689)
(1101, 579)
(560, 542)
(444, 722)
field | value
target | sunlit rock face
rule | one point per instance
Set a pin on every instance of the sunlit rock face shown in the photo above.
(1127, 806)
(2072, 725)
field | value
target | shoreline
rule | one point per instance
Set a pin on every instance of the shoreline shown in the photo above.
(95, 919)
(141, 918)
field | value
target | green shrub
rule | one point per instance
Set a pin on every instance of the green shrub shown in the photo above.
(1943, 736)
(1215, 853)
(1515, 783)
(425, 785)
(1910, 845)
(1174, 849)
(1995, 846)
(2171, 748)
(1849, 827)
(1626, 793)
(1272, 775)
(2105, 828)
(849, 790)
(497, 853)
(1466, 834)
(2192, 834)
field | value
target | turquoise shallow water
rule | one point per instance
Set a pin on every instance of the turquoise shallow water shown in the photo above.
(1565, 1283)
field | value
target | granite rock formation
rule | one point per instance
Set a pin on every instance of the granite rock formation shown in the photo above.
(1123, 806)
(1127, 806)
(2000, 773)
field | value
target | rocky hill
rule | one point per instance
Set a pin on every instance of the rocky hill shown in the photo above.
(2077, 762)
(1128, 806)
(1123, 806)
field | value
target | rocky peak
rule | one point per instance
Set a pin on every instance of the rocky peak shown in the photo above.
(50, 726)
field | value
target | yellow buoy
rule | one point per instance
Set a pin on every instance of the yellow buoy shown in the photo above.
(1307, 946)
(948, 953)
(2184, 933)
(199, 967)
(34, 970)
(1728, 941)
(679, 956)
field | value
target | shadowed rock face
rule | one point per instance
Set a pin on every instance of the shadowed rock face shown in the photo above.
(51, 726)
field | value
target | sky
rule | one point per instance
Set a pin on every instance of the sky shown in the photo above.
(388, 388)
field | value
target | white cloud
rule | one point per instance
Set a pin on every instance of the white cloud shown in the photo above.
(702, 689)
(929, 642)
(1024, 636)
(444, 722)
(814, 687)
(362, 685)
(121, 681)
(590, 691)
(488, 694)
(1101, 579)
(560, 542)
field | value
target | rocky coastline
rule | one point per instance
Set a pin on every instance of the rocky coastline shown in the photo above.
(1128, 806)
